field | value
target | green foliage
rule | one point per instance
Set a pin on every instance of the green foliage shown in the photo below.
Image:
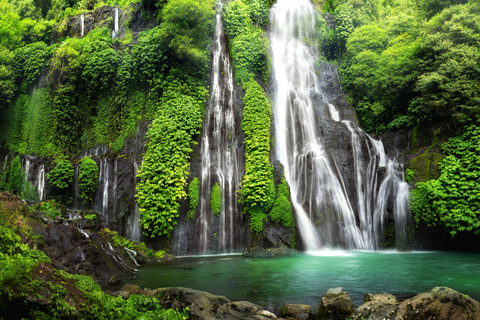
(88, 179)
(409, 175)
(100, 68)
(432, 7)
(29, 192)
(216, 199)
(62, 175)
(282, 208)
(17, 176)
(343, 24)
(258, 177)
(249, 47)
(453, 201)
(186, 27)
(250, 55)
(7, 76)
(23, 283)
(165, 165)
(237, 19)
(193, 195)
(449, 54)
(50, 208)
(10, 27)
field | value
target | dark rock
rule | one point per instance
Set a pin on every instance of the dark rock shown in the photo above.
(335, 305)
(380, 297)
(141, 257)
(258, 252)
(295, 310)
(132, 289)
(114, 280)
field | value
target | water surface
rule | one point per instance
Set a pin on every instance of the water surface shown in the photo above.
(304, 278)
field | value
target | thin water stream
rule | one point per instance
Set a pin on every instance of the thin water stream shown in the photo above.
(304, 278)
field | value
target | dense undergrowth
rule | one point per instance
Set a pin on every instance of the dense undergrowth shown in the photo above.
(30, 287)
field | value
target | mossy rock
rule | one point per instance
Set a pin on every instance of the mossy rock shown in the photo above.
(426, 166)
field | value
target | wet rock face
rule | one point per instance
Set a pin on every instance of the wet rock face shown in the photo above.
(78, 248)
(440, 303)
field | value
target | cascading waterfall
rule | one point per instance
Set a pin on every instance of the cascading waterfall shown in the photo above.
(82, 23)
(134, 221)
(102, 196)
(5, 163)
(220, 158)
(324, 211)
(115, 30)
(41, 183)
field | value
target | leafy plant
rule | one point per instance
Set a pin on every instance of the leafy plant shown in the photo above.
(452, 201)
(258, 179)
(88, 179)
(165, 166)
(216, 199)
(409, 175)
(62, 175)
(17, 176)
(282, 208)
(193, 193)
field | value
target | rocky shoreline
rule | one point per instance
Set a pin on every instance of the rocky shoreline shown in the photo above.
(60, 259)
(440, 303)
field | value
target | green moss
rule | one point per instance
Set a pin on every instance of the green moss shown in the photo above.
(257, 191)
(88, 179)
(62, 175)
(282, 208)
(216, 199)
(193, 195)
(426, 166)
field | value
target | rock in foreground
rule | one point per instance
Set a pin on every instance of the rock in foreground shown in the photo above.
(441, 303)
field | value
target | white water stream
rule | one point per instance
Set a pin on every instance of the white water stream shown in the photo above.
(220, 154)
(115, 30)
(324, 211)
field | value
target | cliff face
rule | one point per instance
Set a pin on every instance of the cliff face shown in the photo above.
(115, 195)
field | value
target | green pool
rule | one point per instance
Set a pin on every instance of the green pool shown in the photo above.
(304, 278)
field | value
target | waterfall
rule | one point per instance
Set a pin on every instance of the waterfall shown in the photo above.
(82, 23)
(104, 179)
(334, 114)
(76, 187)
(134, 219)
(327, 216)
(220, 152)
(41, 182)
(5, 163)
(27, 168)
(115, 30)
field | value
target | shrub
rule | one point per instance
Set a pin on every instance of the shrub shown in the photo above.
(62, 175)
(88, 179)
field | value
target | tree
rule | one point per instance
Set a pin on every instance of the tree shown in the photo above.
(10, 27)
(449, 86)
(7, 76)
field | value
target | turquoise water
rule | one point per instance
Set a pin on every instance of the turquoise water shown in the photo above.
(304, 278)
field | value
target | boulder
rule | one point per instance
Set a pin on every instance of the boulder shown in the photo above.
(385, 298)
(204, 305)
(441, 303)
(335, 304)
(295, 311)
